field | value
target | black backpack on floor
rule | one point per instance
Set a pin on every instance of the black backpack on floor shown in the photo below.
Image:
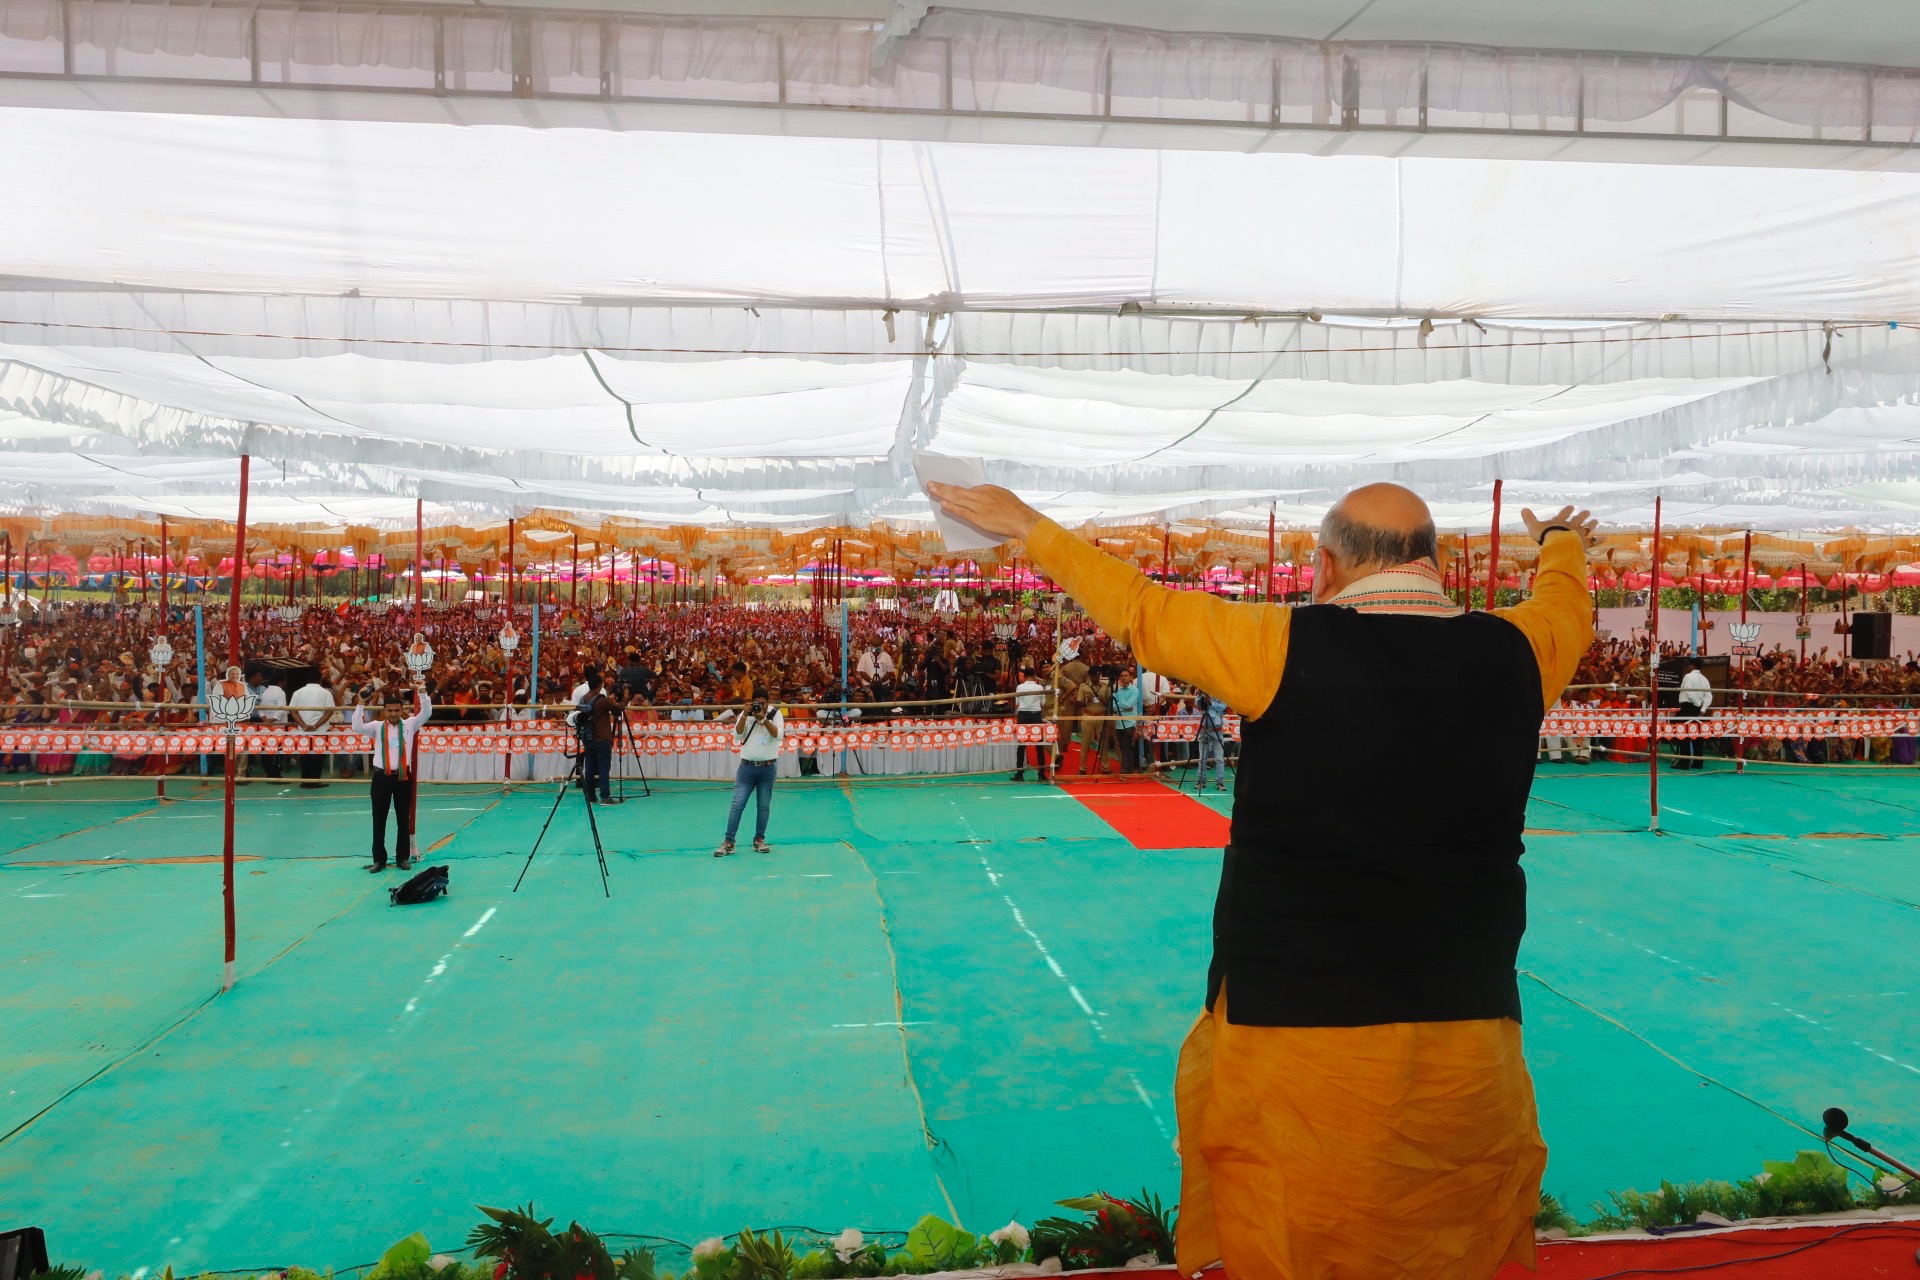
(424, 887)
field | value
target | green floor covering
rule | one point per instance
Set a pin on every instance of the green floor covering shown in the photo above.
(963, 998)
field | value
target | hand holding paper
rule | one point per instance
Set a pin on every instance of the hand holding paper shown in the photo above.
(972, 516)
(985, 511)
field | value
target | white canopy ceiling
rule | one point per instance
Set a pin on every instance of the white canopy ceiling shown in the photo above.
(740, 327)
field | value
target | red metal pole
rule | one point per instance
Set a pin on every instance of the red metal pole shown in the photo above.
(1804, 615)
(233, 659)
(163, 575)
(419, 555)
(1267, 595)
(574, 599)
(1653, 680)
(1493, 548)
(509, 589)
(1166, 551)
(1746, 571)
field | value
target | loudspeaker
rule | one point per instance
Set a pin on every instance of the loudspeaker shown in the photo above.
(1872, 635)
(23, 1253)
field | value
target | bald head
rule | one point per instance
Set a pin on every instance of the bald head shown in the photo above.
(1375, 527)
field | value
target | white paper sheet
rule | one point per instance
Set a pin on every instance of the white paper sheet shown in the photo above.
(940, 469)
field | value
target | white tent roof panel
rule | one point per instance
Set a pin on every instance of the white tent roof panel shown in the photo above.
(755, 329)
(316, 207)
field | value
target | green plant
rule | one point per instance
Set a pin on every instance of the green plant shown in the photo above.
(1809, 1183)
(1118, 1231)
(1675, 1204)
(935, 1244)
(527, 1249)
(1552, 1214)
(62, 1273)
(635, 1264)
(405, 1260)
(762, 1257)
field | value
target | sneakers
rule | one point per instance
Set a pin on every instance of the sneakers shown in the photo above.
(726, 847)
(760, 845)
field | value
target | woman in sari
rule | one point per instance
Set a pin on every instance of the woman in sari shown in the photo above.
(53, 716)
(90, 764)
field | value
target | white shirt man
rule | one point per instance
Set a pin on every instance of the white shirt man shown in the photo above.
(1696, 695)
(393, 764)
(1029, 707)
(759, 738)
(869, 664)
(760, 743)
(272, 699)
(312, 707)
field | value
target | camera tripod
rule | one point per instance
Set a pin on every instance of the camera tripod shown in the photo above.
(573, 776)
(623, 734)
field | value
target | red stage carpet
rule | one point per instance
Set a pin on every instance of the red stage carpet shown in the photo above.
(1829, 1251)
(1151, 814)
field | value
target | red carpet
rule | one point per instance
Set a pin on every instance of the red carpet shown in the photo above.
(1839, 1250)
(1152, 815)
(1830, 1251)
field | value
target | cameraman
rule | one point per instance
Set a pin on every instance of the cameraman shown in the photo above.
(598, 707)
(758, 733)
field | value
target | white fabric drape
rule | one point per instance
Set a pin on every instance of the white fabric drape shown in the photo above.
(315, 208)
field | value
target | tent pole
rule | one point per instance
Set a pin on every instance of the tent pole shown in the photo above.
(200, 665)
(163, 575)
(233, 660)
(1653, 679)
(1493, 549)
(419, 554)
(1804, 615)
(1267, 595)
(573, 599)
(1746, 571)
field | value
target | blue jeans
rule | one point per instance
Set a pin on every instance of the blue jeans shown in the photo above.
(1211, 753)
(595, 769)
(755, 778)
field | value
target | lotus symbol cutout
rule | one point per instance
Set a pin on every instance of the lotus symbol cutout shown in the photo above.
(231, 702)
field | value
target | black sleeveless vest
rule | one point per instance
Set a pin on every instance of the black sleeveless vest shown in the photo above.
(1374, 870)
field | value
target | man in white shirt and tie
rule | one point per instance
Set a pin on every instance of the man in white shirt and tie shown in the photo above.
(393, 764)
(1696, 695)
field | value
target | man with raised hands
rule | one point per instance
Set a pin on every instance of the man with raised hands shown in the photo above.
(1353, 1102)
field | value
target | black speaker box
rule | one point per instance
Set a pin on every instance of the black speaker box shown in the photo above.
(1872, 635)
(23, 1253)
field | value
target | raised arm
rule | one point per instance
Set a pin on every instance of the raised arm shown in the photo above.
(359, 722)
(1558, 618)
(1234, 651)
(419, 717)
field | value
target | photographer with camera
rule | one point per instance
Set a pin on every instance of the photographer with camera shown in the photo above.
(758, 732)
(593, 721)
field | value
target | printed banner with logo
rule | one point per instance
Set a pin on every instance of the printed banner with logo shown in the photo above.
(805, 737)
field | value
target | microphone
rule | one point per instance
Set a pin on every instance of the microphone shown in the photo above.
(1836, 1123)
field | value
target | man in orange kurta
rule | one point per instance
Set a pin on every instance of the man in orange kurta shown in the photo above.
(1354, 1104)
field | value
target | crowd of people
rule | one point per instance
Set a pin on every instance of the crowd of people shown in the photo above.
(1613, 675)
(90, 664)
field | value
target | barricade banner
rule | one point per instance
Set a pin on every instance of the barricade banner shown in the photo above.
(811, 737)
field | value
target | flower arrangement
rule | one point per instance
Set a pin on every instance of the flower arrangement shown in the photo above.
(1109, 1231)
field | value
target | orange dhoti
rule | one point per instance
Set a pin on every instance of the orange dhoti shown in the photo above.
(1406, 1151)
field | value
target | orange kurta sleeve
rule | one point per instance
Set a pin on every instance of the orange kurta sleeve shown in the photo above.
(1558, 618)
(1235, 652)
